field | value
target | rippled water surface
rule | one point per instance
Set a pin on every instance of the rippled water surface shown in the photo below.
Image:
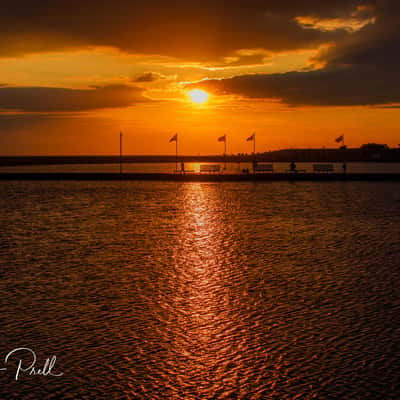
(202, 291)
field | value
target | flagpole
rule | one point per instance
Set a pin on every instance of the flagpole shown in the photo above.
(120, 152)
(225, 146)
(254, 153)
(344, 156)
(176, 153)
(225, 153)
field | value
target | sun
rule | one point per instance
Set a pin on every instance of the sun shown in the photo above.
(198, 96)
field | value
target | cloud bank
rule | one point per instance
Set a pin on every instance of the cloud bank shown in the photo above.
(51, 99)
(358, 65)
(357, 69)
(200, 30)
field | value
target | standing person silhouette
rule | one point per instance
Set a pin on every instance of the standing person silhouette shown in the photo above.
(292, 167)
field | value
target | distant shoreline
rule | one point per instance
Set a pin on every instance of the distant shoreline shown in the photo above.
(298, 155)
(197, 177)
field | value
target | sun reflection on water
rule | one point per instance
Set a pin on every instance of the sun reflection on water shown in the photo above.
(201, 289)
(208, 332)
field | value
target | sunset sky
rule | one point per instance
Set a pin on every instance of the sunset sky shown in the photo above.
(299, 73)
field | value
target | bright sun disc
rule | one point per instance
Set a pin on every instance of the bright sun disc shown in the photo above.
(198, 96)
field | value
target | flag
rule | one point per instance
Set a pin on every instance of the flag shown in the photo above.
(339, 139)
(222, 138)
(250, 138)
(174, 138)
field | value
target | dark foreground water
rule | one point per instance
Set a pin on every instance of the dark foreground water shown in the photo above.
(201, 291)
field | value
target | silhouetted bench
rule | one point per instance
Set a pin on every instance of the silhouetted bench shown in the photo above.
(209, 168)
(323, 167)
(262, 167)
(185, 171)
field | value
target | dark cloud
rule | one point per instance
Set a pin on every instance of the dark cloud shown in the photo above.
(358, 69)
(376, 45)
(333, 87)
(50, 99)
(148, 77)
(202, 30)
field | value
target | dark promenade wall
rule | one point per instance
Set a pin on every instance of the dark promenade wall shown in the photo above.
(200, 177)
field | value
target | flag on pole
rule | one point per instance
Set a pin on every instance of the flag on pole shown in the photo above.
(120, 152)
(222, 138)
(174, 138)
(250, 138)
(339, 139)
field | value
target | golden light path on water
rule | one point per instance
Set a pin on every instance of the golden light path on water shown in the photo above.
(212, 339)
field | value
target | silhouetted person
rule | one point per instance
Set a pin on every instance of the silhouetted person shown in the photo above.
(182, 167)
(344, 167)
(292, 167)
